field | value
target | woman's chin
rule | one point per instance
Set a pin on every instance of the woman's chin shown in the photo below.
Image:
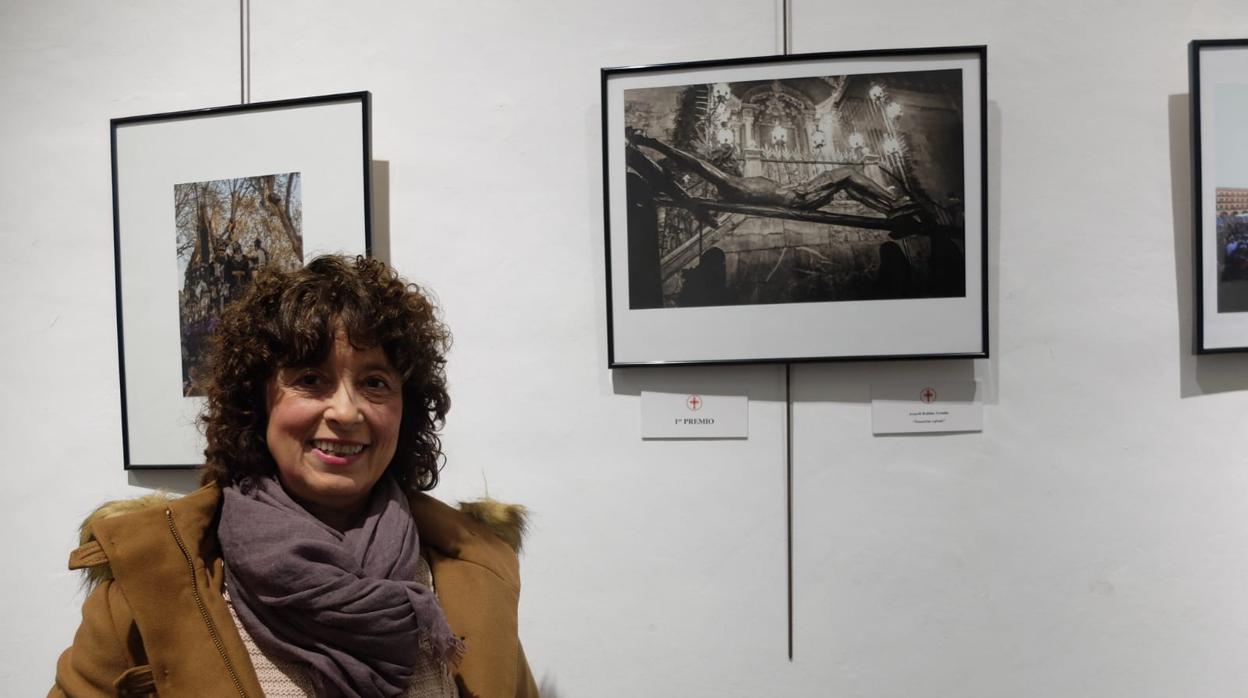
(329, 488)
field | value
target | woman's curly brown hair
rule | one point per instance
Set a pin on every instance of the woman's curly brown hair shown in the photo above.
(288, 318)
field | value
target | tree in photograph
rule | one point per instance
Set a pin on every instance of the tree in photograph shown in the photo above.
(277, 198)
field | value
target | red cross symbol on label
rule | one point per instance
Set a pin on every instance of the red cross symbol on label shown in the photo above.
(927, 395)
(694, 403)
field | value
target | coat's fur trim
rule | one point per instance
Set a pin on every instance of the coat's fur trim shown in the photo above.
(103, 572)
(118, 507)
(507, 521)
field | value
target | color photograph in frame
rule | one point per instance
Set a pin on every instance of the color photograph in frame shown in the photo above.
(1219, 84)
(202, 201)
(796, 208)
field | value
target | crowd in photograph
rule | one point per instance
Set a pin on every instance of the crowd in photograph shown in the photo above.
(1233, 243)
(212, 284)
(209, 286)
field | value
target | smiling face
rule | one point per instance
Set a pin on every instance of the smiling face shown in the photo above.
(333, 428)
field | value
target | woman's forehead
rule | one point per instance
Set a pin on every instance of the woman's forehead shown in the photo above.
(344, 351)
(340, 347)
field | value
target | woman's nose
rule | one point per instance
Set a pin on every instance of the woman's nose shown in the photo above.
(344, 406)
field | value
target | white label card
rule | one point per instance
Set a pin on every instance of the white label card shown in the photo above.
(694, 416)
(907, 408)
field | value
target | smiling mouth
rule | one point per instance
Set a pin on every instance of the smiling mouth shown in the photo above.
(335, 448)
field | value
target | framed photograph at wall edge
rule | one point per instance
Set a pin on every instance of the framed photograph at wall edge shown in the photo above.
(1219, 97)
(202, 200)
(811, 207)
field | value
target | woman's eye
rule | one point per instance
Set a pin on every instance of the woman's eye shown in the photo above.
(377, 383)
(308, 380)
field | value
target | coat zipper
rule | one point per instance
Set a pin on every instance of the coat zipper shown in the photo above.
(203, 611)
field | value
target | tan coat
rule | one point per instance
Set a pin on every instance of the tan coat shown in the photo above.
(157, 621)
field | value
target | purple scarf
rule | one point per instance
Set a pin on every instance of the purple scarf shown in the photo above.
(343, 602)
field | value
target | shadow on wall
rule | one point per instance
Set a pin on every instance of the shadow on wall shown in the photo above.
(178, 482)
(1198, 374)
(844, 382)
(380, 207)
(757, 381)
(546, 687)
(989, 377)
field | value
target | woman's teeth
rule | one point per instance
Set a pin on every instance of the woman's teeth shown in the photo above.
(337, 449)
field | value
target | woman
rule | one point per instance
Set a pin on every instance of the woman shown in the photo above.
(309, 562)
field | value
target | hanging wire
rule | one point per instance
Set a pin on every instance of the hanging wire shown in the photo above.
(786, 28)
(788, 491)
(787, 33)
(244, 51)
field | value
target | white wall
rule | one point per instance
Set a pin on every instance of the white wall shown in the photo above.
(1092, 541)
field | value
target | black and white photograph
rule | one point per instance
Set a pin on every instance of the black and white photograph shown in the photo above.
(830, 180)
(202, 201)
(227, 230)
(827, 188)
(1219, 75)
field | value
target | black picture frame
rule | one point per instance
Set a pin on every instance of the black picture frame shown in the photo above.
(1218, 73)
(201, 199)
(674, 173)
